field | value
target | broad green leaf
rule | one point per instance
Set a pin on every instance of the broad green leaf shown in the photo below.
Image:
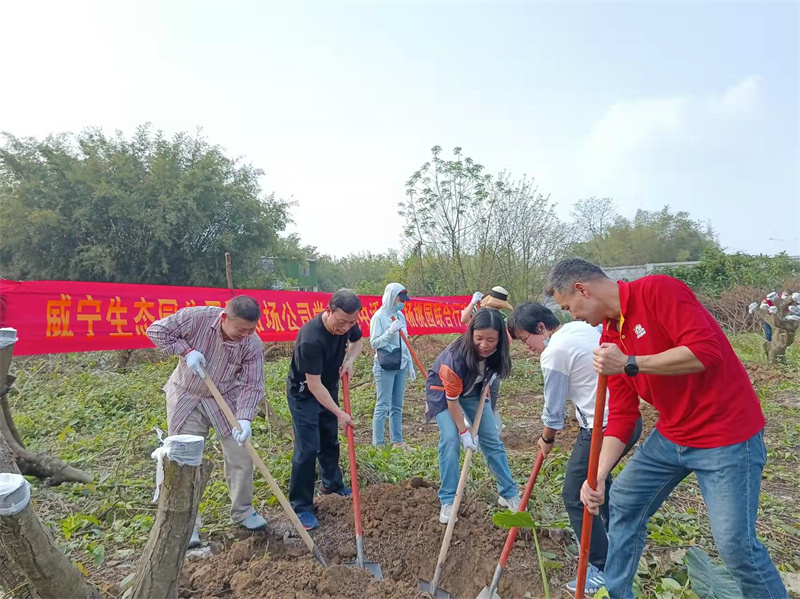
(509, 519)
(709, 580)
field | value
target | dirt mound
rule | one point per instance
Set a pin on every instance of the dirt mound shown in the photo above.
(401, 532)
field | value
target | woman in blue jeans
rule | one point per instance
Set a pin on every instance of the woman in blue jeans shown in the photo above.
(392, 367)
(453, 389)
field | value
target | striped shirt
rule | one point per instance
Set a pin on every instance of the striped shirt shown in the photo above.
(237, 368)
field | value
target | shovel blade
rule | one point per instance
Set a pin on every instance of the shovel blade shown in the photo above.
(436, 593)
(487, 593)
(373, 568)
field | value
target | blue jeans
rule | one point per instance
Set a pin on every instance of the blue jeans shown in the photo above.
(730, 480)
(767, 331)
(491, 446)
(391, 386)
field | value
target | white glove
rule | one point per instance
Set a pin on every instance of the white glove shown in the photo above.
(395, 326)
(240, 436)
(796, 297)
(196, 363)
(764, 305)
(752, 307)
(476, 297)
(468, 441)
(772, 296)
(795, 310)
(773, 309)
(793, 317)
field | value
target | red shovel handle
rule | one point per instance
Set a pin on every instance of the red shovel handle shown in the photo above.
(591, 478)
(523, 504)
(351, 449)
(414, 355)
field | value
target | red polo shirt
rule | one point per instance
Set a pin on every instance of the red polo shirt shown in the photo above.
(713, 408)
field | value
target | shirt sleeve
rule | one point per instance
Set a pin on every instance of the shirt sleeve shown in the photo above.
(623, 408)
(453, 385)
(309, 358)
(251, 387)
(171, 334)
(686, 320)
(355, 333)
(378, 337)
(556, 367)
(556, 390)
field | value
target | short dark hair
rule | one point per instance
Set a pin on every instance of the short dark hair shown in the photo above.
(346, 301)
(244, 307)
(569, 271)
(528, 316)
(500, 360)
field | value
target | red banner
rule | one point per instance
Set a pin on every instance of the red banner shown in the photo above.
(69, 316)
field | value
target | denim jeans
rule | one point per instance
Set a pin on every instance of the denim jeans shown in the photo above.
(730, 481)
(391, 387)
(494, 390)
(491, 446)
(767, 331)
(577, 470)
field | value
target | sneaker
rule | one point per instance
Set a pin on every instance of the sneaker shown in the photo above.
(595, 580)
(308, 520)
(253, 522)
(445, 513)
(511, 503)
(403, 446)
(343, 492)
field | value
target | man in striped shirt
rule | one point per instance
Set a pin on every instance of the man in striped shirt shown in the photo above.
(220, 344)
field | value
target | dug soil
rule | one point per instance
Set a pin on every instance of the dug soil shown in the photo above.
(401, 532)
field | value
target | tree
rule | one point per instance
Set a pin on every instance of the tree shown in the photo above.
(660, 236)
(363, 272)
(443, 213)
(141, 210)
(593, 218)
(469, 231)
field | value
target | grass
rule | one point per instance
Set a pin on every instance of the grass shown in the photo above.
(84, 409)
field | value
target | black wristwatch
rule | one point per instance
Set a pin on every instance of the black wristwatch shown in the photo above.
(549, 441)
(631, 369)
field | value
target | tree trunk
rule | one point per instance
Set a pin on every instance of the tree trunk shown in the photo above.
(13, 581)
(159, 570)
(31, 547)
(40, 465)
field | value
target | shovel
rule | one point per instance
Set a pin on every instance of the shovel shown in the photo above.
(373, 568)
(432, 587)
(262, 467)
(490, 592)
(422, 370)
(591, 478)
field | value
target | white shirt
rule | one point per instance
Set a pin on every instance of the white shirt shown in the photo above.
(568, 374)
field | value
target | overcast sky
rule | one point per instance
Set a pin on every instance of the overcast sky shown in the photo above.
(691, 104)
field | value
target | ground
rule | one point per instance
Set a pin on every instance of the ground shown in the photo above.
(89, 410)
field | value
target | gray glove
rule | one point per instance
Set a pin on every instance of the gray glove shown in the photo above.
(196, 363)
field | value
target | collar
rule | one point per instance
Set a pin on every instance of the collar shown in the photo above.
(624, 296)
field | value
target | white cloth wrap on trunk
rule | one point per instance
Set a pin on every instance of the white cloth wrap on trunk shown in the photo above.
(186, 450)
(8, 336)
(15, 493)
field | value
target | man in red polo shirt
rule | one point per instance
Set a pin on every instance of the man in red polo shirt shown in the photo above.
(659, 343)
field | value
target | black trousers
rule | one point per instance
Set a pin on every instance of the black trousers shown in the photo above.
(577, 470)
(316, 438)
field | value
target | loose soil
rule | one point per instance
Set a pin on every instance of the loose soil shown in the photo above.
(401, 532)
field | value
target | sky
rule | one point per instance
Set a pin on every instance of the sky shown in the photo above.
(695, 105)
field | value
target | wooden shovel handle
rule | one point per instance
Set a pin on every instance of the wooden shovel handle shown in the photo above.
(262, 467)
